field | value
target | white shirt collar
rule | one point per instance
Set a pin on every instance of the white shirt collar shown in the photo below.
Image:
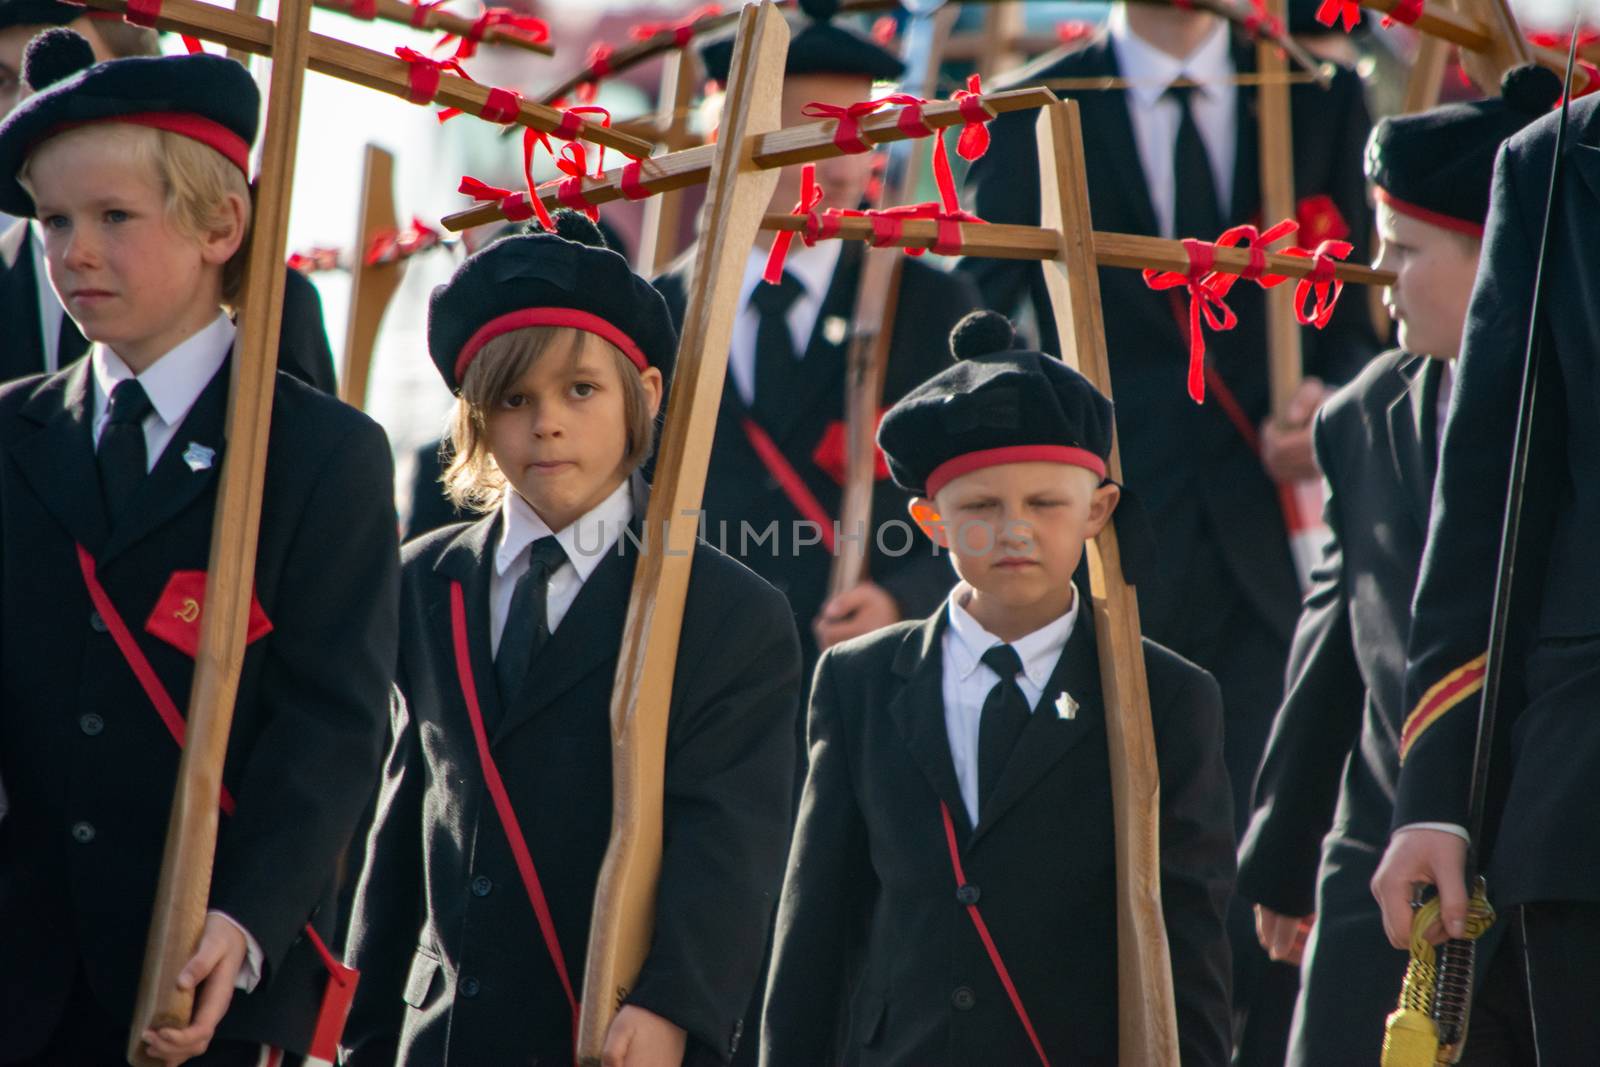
(585, 540)
(812, 267)
(175, 381)
(1039, 650)
(1150, 71)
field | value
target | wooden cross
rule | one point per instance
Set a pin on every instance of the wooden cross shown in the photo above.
(365, 67)
(660, 238)
(372, 285)
(738, 191)
(184, 887)
(1487, 33)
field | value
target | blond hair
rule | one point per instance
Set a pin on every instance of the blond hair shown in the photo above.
(472, 479)
(195, 179)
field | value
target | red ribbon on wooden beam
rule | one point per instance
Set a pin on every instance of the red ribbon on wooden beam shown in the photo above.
(391, 246)
(424, 75)
(512, 23)
(1334, 11)
(1322, 282)
(848, 134)
(810, 196)
(683, 31)
(1204, 301)
(515, 206)
(1073, 32)
(1261, 23)
(1406, 11)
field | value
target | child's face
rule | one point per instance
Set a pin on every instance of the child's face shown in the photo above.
(560, 436)
(124, 273)
(1016, 531)
(1434, 271)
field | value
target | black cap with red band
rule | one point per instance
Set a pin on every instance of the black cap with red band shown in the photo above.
(210, 99)
(996, 405)
(1437, 165)
(567, 278)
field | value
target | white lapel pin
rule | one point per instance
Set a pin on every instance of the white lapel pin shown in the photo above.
(1066, 707)
(835, 329)
(198, 456)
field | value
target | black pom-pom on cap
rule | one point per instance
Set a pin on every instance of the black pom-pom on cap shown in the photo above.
(576, 226)
(1531, 89)
(982, 333)
(55, 55)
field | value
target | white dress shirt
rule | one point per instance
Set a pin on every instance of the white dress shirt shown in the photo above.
(173, 383)
(967, 681)
(1155, 117)
(586, 542)
(813, 268)
(50, 310)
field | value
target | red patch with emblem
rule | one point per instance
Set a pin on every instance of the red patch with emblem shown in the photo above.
(829, 453)
(176, 616)
(1320, 220)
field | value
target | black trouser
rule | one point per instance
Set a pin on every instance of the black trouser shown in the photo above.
(1536, 1004)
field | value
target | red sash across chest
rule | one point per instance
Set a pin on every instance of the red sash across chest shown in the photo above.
(341, 987)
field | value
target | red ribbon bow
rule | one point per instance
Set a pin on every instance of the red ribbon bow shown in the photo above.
(810, 196)
(513, 23)
(974, 139)
(1261, 23)
(1256, 243)
(682, 31)
(1321, 281)
(1406, 11)
(1333, 11)
(1206, 290)
(848, 135)
(392, 246)
(515, 206)
(424, 75)
(317, 259)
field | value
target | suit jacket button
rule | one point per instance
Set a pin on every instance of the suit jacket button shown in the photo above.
(481, 886)
(97, 624)
(83, 832)
(469, 987)
(963, 999)
(92, 724)
(967, 895)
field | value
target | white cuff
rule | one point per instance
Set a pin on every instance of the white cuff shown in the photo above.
(1445, 827)
(250, 970)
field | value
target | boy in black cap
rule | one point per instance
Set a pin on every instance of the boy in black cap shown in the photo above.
(1339, 736)
(1167, 159)
(959, 766)
(472, 917)
(136, 169)
(40, 335)
(1541, 849)
(786, 374)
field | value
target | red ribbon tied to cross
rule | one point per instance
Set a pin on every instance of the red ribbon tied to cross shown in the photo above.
(391, 246)
(1206, 289)
(1334, 11)
(509, 22)
(1261, 23)
(683, 31)
(848, 134)
(806, 207)
(515, 206)
(1321, 281)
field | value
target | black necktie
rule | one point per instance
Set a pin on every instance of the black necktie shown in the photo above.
(777, 368)
(1196, 210)
(121, 455)
(527, 620)
(70, 343)
(1004, 717)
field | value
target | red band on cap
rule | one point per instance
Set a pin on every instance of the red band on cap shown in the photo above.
(571, 318)
(1433, 218)
(952, 469)
(214, 135)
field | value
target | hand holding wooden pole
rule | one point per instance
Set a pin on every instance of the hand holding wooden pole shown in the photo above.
(1147, 1031)
(185, 883)
(625, 898)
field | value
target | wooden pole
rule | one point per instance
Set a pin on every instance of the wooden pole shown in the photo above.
(872, 319)
(363, 66)
(1427, 74)
(738, 192)
(372, 285)
(659, 242)
(1147, 1030)
(244, 7)
(1507, 47)
(1278, 202)
(402, 13)
(185, 882)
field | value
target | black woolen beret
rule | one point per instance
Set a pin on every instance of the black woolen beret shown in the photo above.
(567, 278)
(1437, 165)
(38, 13)
(210, 98)
(996, 405)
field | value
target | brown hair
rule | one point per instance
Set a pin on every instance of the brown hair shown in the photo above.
(472, 480)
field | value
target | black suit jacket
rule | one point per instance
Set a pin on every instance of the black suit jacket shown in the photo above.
(1203, 485)
(455, 970)
(1376, 442)
(1543, 783)
(869, 902)
(86, 759)
(302, 348)
(739, 489)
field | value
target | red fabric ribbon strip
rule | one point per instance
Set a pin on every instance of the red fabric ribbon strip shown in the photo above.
(1320, 282)
(510, 23)
(630, 184)
(1205, 301)
(683, 31)
(513, 205)
(391, 246)
(810, 196)
(1261, 23)
(143, 13)
(424, 75)
(848, 134)
(974, 139)
(1335, 11)
(1406, 11)
(366, 10)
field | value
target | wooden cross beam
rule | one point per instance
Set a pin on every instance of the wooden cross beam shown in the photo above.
(365, 67)
(1488, 36)
(419, 17)
(1278, 202)
(659, 240)
(738, 191)
(184, 887)
(372, 285)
